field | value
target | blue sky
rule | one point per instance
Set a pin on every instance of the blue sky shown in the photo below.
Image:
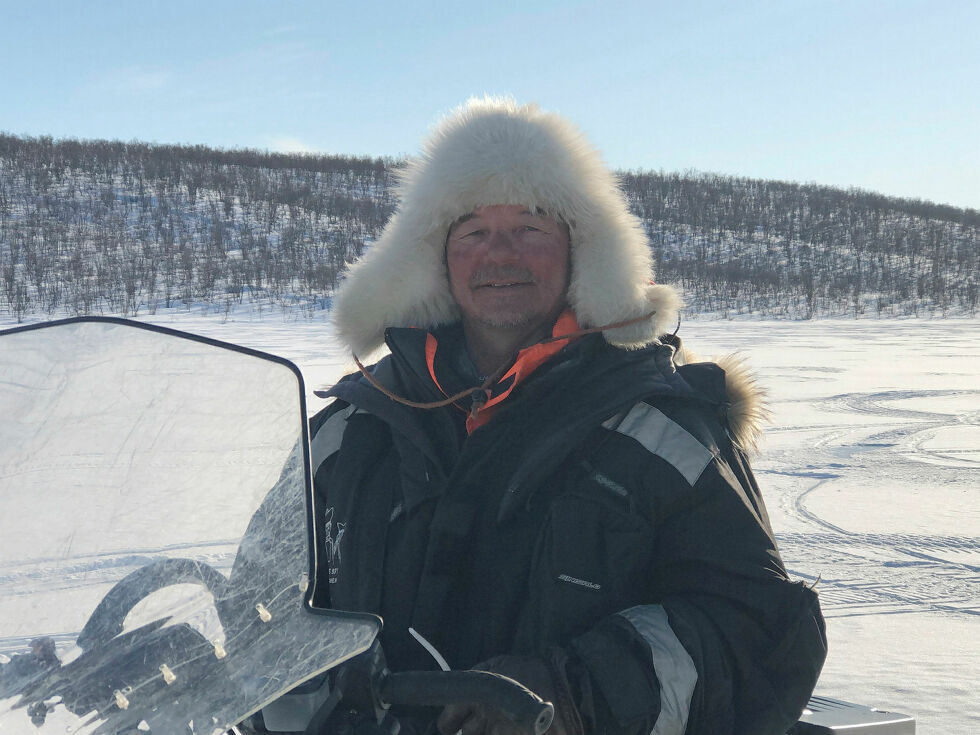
(877, 94)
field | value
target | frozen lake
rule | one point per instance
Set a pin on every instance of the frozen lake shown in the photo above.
(871, 472)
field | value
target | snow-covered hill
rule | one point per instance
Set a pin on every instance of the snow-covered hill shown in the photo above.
(128, 228)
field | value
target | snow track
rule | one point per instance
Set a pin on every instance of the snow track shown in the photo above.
(41, 589)
(89, 569)
(866, 573)
(871, 473)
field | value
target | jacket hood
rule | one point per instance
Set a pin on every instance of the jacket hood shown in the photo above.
(746, 408)
(493, 151)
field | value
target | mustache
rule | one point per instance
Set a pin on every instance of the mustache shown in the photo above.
(485, 276)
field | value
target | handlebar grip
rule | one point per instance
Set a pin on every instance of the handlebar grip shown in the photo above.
(438, 688)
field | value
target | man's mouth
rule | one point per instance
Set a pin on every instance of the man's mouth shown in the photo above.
(501, 279)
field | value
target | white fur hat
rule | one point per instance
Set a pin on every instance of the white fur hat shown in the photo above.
(494, 151)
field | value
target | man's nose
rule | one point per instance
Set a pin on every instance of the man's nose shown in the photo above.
(502, 245)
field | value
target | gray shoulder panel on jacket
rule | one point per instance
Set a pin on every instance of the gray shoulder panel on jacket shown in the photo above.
(665, 438)
(327, 440)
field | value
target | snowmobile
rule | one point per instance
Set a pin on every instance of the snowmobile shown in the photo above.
(158, 553)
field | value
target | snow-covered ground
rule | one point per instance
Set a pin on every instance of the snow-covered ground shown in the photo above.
(871, 472)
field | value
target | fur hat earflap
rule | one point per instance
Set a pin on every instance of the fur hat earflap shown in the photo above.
(493, 151)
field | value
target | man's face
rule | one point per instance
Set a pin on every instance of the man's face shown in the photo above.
(508, 267)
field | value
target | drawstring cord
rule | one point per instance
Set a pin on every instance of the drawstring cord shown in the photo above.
(482, 394)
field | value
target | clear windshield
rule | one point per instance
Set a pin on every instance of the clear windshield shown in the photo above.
(153, 533)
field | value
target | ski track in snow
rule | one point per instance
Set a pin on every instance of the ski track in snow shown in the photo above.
(871, 473)
(870, 573)
(86, 569)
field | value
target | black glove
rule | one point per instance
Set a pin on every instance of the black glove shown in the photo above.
(546, 678)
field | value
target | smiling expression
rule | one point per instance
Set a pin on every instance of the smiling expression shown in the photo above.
(508, 267)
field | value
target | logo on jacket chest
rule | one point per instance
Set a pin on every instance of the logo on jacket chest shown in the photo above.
(333, 534)
(579, 582)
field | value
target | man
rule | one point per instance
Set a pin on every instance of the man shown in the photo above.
(528, 480)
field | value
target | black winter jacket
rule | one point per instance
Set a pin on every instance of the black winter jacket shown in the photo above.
(604, 510)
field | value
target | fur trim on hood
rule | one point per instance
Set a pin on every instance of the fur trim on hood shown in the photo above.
(494, 151)
(747, 411)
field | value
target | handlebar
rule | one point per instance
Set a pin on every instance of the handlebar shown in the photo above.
(436, 688)
(367, 685)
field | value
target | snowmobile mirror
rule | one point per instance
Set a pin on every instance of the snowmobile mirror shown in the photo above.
(154, 541)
